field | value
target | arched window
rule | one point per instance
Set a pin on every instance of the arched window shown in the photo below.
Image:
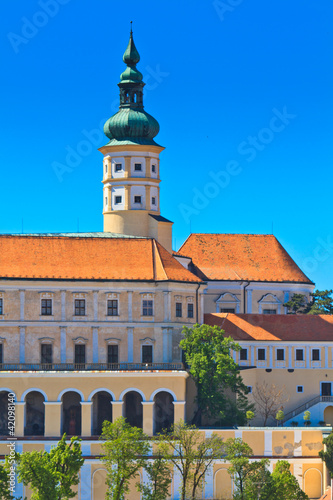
(34, 414)
(133, 410)
(163, 411)
(101, 411)
(71, 413)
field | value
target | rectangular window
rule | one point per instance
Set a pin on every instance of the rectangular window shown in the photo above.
(137, 199)
(112, 308)
(243, 355)
(153, 200)
(178, 310)
(227, 310)
(118, 167)
(190, 310)
(106, 168)
(147, 354)
(315, 355)
(1, 307)
(299, 355)
(80, 354)
(261, 354)
(153, 168)
(46, 307)
(147, 308)
(117, 200)
(249, 389)
(106, 201)
(326, 389)
(269, 311)
(113, 354)
(80, 307)
(137, 167)
(46, 354)
(299, 388)
(1, 353)
(280, 354)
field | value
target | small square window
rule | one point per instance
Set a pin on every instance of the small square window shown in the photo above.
(190, 311)
(117, 200)
(299, 355)
(249, 389)
(153, 200)
(138, 167)
(178, 310)
(1, 306)
(46, 307)
(269, 311)
(280, 354)
(118, 167)
(137, 199)
(112, 309)
(300, 388)
(147, 354)
(243, 355)
(80, 307)
(113, 354)
(261, 354)
(153, 168)
(147, 308)
(315, 355)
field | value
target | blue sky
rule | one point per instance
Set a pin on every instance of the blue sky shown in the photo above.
(243, 94)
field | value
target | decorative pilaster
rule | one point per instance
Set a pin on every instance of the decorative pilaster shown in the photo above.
(63, 305)
(148, 417)
(96, 306)
(22, 344)
(53, 418)
(130, 298)
(117, 409)
(179, 411)
(19, 418)
(130, 344)
(63, 356)
(22, 300)
(86, 407)
(95, 344)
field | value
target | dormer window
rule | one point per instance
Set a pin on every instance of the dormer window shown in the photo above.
(118, 167)
(137, 199)
(138, 167)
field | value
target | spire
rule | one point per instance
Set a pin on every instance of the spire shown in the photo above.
(131, 58)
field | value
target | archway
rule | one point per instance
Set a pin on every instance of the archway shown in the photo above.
(71, 413)
(222, 484)
(4, 413)
(328, 415)
(99, 486)
(34, 414)
(312, 483)
(133, 408)
(101, 410)
(163, 411)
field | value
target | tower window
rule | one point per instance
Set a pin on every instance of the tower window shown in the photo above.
(106, 201)
(153, 168)
(117, 200)
(118, 167)
(106, 168)
(138, 167)
(46, 307)
(137, 199)
(153, 200)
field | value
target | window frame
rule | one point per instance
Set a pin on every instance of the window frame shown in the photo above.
(78, 347)
(137, 199)
(301, 387)
(118, 200)
(49, 356)
(118, 167)
(315, 350)
(1, 352)
(227, 310)
(280, 351)
(146, 308)
(259, 352)
(179, 310)
(46, 307)
(243, 354)
(78, 308)
(111, 355)
(190, 310)
(151, 349)
(1, 306)
(153, 200)
(297, 352)
(153, 168)
(112, 307)
(269, 311)
(136, 167)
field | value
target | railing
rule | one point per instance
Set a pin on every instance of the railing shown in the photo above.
(109, 367)
(308, 404)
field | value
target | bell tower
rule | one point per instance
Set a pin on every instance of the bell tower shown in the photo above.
(131, 165)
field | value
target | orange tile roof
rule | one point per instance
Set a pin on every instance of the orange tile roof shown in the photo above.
(86, 258)
(248, 257)
(274, 327)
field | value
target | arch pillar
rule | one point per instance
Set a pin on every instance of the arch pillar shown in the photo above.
(117, 409)
(148, 417)
(52, 418)
(179, 414)
(19, 418)
(86, 418)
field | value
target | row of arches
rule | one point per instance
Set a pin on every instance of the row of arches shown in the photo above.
(101, 408)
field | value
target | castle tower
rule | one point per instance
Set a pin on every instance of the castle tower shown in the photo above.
(131, 165)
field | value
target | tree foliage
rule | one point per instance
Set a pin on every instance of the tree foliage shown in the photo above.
(4, 484)
(269, 399)
(125, 450)
(327, 454)
(51, 475)
(283, 483)
(321, 303)
(159, 474)
(297, 304)
(216, 375)
(192, 454)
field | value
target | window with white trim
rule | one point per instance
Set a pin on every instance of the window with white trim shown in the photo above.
(137, 199)
(243, 354)
(147, 353)
(1, 307)
(261, 354)
(280, 354)
(147, 307)
(46, 354)
(315, 354)
(118, 167)
(300, 388)
(80, 307)
(138, 167)
(299, 354)
(117, 200)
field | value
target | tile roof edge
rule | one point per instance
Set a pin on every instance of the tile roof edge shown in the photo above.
(156, 254)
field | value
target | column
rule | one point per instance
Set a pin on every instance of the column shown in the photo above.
(202, 311)
(209, 486)
(268, 444)
(252, 355)
(179, 411)
(148, 417)
(95, 344)
(249, 301)
(22, 297)
(130, 344)
(63, 305)
(298, 473)
(167, 306)
(165, 334)
(326, 356)
(86, 407)
(271, 356)
(117, 409)
(53, 418)
(95, 294)
(22, 344)
(147, 197)
(85, 482)
(308, 356)
(18, 486)
(63, 356)
(19, 418)
(130, 295)
(290, 356)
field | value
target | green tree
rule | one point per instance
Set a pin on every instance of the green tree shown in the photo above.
(4, 484)
(283, 483)
(297, 304)
(125, 450)
(307, 417)
(249, 416)
(159, 474)
(279, 417)
(327, 454)
(51, 475)
(322, 302)
(221, 393)
(238, 454)
(191, 453)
